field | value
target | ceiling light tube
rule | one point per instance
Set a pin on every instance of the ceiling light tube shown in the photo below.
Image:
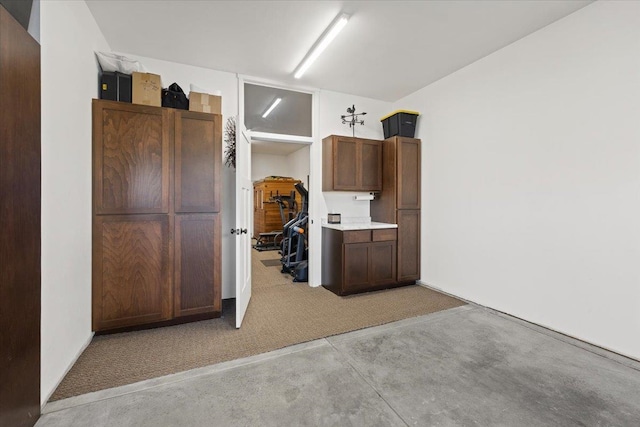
(274, 105)
(324, 41)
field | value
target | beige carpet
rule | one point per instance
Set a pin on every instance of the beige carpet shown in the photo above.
(281, 313)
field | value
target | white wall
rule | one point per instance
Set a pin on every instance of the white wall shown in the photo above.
(263, 165)
(295, 165)
(531, 178)
(69, 35)
(227, 84)
(298, 162)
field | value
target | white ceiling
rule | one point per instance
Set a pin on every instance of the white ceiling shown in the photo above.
(388, 50)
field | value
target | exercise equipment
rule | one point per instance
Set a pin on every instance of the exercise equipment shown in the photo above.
(294, 242)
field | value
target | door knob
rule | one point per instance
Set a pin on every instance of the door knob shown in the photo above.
(243, 231)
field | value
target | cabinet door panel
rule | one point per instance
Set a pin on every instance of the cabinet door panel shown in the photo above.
(408, 245)
(131, 155)
(197, 264)
(383, 262)
(197, 162)
(408, 191)
(131, 270)
(371, 168)
(357, 266)
(345, 162)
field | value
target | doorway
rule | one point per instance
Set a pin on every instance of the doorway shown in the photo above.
(282, 124)
(280, 173)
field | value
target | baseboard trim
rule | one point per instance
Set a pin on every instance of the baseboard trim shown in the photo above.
(44, 402)
(608, 353)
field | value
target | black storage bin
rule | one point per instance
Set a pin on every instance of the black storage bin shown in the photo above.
(115, 86)
(400, 123)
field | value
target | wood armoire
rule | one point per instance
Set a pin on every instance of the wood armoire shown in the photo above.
(266, 211)
(156, 215)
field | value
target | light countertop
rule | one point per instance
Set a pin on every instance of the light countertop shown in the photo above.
(360, 226)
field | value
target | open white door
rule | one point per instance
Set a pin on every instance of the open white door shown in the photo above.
(242, 231)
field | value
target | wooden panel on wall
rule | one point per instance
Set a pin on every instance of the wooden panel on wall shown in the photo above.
(131, 270)
(131, 158)
(197, 248)
(345, 156)
(20, 221)
(197, 161)
(408, 173)
(408, 245)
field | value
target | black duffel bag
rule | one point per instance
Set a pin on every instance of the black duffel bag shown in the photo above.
(174, 97)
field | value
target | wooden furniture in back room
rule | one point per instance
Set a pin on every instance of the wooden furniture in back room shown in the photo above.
(20, 219)
(351, 164)
(266, 212)
(399, 202)
(156, 215)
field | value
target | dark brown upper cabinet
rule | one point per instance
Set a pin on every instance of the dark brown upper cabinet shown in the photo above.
(351, 164)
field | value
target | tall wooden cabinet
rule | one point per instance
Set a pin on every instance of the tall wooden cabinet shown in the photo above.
(399, 201)
(156, 215)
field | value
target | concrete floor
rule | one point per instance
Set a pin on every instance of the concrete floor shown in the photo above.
(464, 366)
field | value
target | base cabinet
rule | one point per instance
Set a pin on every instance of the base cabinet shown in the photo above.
(358, 261)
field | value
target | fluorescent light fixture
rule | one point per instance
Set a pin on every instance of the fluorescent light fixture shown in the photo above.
(274, 105)
(324, 41)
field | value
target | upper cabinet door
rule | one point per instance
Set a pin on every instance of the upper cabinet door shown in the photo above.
(198, 159)
(408, 170)
(131, 158)
(371, 165)
(345, 161)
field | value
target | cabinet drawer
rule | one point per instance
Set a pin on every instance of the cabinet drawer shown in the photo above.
(384, 234)
(356, 236)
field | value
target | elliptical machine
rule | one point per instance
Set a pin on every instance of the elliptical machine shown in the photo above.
(294, 241)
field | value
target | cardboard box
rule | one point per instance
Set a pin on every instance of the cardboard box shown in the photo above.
(205, 103)
(146, 89)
